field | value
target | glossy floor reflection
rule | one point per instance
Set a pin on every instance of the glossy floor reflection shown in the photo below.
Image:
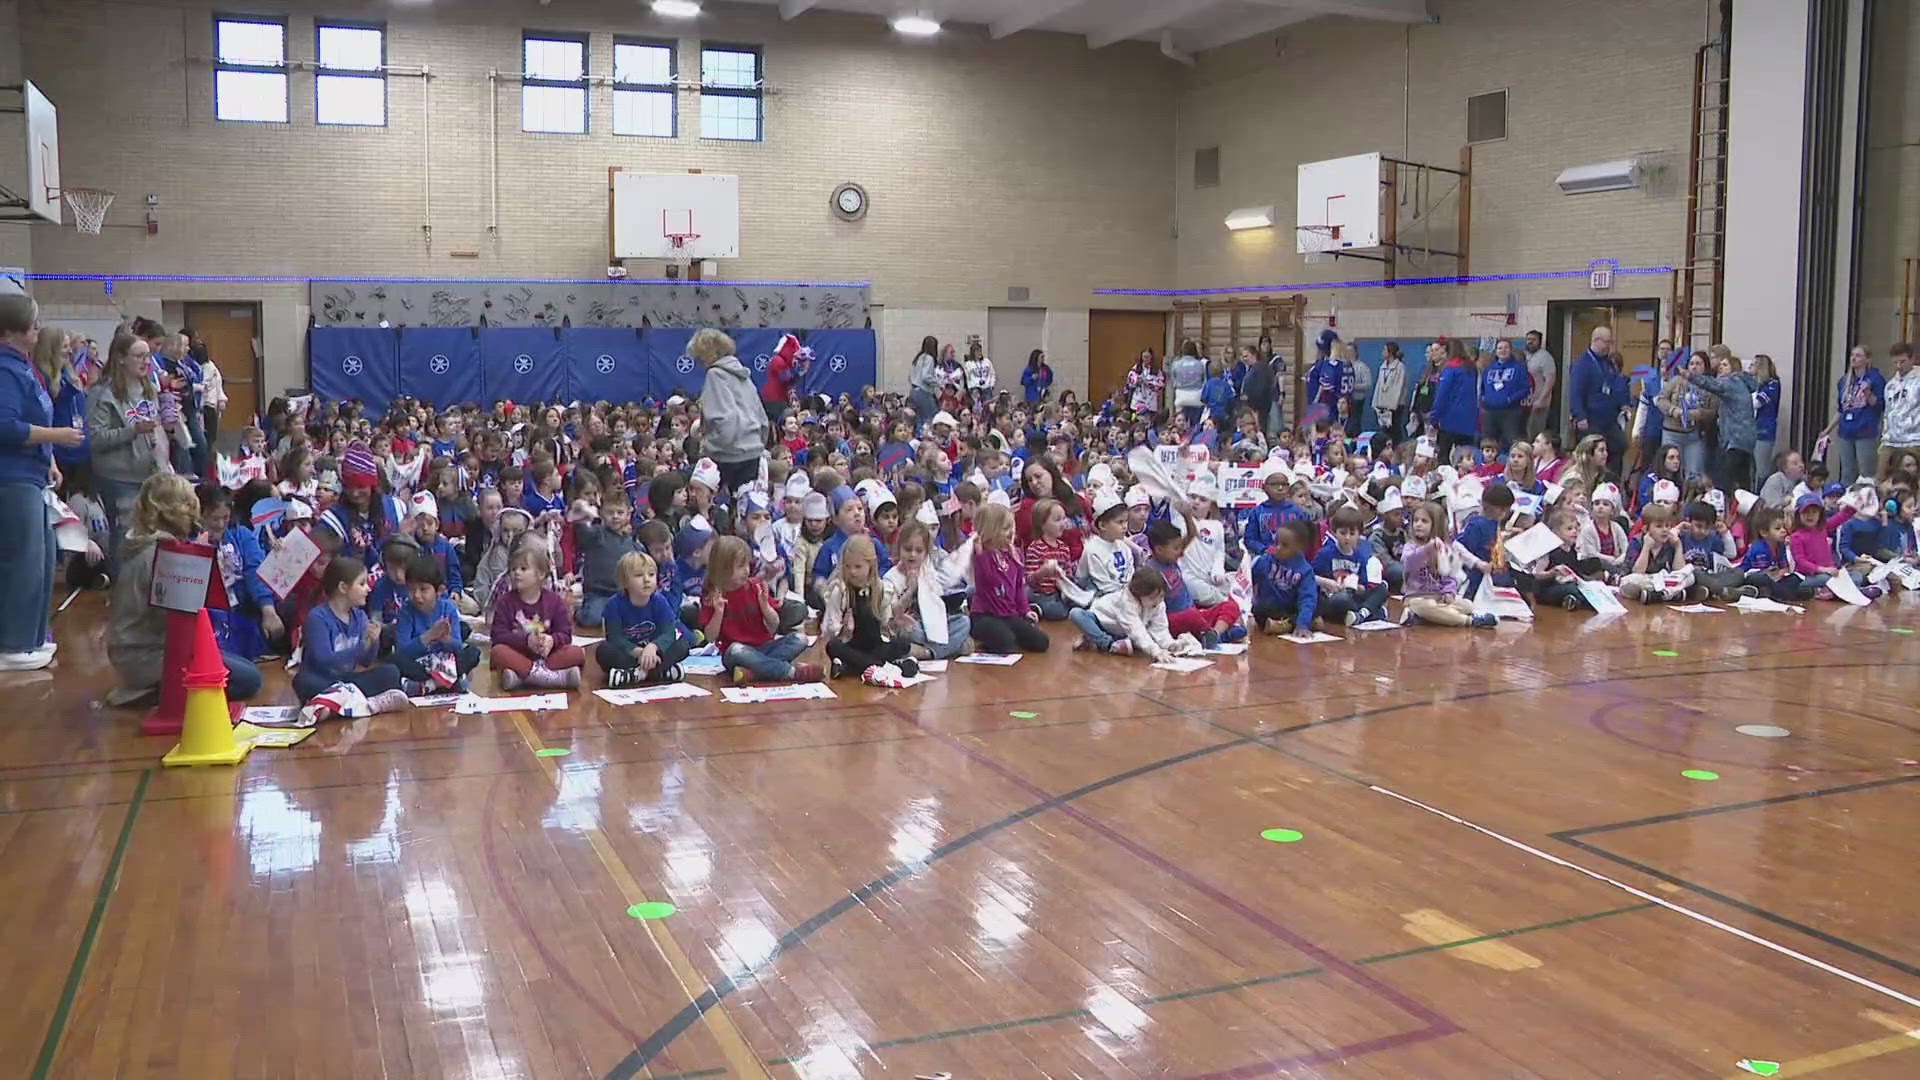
(917, 882)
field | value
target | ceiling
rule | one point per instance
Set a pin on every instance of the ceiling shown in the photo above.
(1188, 26)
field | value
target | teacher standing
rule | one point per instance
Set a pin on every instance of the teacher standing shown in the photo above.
(27, 439)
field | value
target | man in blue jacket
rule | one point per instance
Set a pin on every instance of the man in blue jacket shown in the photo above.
(1596, 392)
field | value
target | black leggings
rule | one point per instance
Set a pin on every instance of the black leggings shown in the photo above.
(619, 654)
(858, 659)
(1335, 604)
(1789, 587)
(1001, 635)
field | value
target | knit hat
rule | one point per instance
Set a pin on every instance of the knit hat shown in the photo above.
(357, 469)
(813, 505)
(840, 495)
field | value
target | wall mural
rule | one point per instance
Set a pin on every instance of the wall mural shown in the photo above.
(616, 303)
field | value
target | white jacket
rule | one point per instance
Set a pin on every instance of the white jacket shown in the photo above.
(980, 374)
(1123, 616)
(925, 608)
(1106, 565)
(1390, 389)
(213, 386)
(1204, 563)
(1587, 544)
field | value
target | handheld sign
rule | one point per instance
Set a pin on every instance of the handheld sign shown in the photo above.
(184, 578)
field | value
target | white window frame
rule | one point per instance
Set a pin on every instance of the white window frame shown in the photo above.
(669, 88)
(322, 74)
(756, 92)
(528, 81)
(283, 69)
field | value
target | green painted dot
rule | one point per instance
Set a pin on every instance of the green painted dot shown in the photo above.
(1280, 836)
(652, 909)
(1665, 652)
(552, 751)
(1699, 774)
(1023, 715)
(1901, 630)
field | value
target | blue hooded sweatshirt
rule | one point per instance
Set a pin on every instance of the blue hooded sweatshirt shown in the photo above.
(1505, 384)
(1454, 409)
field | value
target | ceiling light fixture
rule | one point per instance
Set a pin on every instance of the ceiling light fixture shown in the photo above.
(917, 25)
(676, 9)
(1252, 217)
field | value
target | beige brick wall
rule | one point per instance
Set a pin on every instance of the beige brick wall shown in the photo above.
(1587, 83)
(16, 241)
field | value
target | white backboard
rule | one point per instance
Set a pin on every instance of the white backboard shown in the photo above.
(1343, 192)
(43, 155)
(648, 206)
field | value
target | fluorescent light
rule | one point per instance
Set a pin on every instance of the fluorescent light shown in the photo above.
(676, 9)
(916, 25)
(1252, 217)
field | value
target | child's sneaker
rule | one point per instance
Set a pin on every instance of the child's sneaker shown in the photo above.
(1485, 621)
(836, 668)
(1236, 632)
(620, 678)
(908, 666)
(1352, 618)
(1260, 624)
(570, 679)
(462, 685)
(1696, 593)
(508, 679)
(391, 701)
(1571, 602)
(1873, 592)
(1121, 647)
(1821, 593)
(673, 674)
(741, 676)
(413, 688)
(1209, 639)
(1408, 618)
(543, 677)
(807, 673)
(1750, 591)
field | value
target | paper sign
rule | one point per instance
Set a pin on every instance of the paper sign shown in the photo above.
(1761, 603)
(1240, 487)
(705, 666)
(938, 667)
(1696, 609)
(184, 578)
(641, 695)
(1531, 545)
(1167, 456)
(1196, 453)
(470, 705)
(1500, 602)
(285, 565)
(761, 695)
(1376, 624)
(1227, 648)
(996, 659)
(1182, 664)
(1311, 638)
(1842, 586)
(434, 701)
(1602, 598)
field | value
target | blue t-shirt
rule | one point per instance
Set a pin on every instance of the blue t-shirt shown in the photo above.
(1332, 563)
(642, 624)
(1179, 597)
(1288, 585)
(1861, 402)
(1477, 536)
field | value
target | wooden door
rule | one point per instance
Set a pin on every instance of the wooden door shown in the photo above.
(1114, 340)
(230, 329)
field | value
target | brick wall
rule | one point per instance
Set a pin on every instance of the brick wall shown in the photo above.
(16, 241)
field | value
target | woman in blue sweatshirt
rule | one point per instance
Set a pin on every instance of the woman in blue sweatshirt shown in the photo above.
(27, 439)
(1456, 413)
(1856, 431)
(1504, 387)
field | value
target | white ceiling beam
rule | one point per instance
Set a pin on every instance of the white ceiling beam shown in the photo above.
(1242, 29)
(1035, 13)
(793, 9)
(1402, 11)
(1159, 15)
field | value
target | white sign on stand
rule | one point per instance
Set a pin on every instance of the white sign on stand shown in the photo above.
(181, 572)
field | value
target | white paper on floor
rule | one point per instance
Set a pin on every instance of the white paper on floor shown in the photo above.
(1843, 587)
(1377, 624)
(704, 661)
(1227, 648)
(1696, 609)
(1182, 664)
(996, 659)
(588, 642)
(935, 666)
(641, 695)
(1603, 599)
(471, 705)
(1761, 603)
(760, 695)
(270, 714)
(1314, 638)
(434, 701)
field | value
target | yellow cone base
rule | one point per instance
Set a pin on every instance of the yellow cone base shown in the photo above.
(206, 735)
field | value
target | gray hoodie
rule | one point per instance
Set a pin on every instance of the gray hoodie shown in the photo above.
(733, 423)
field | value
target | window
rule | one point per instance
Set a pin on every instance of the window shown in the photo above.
(1487, 117)
(730, 93)
(644, 99)
(350, 86)
(250, 69)
(553, 86)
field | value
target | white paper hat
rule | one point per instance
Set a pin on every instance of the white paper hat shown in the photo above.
(423, 503)
(875, 495)
(942, 417)
(1414, 487)
(925, 515)
(1666, 491)
(1716, 499)
(1137, 496)
(797, 486)
(1424, 448)
(1106, 499)
(1390, 502)
(1607, 493)
(996, 497)
(1204, 487)
(1100, 476)
(706, 472)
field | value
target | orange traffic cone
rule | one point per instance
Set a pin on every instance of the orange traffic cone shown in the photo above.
(166, 717)
(206, 733)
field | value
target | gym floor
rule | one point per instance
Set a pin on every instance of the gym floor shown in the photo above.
(1073, 867)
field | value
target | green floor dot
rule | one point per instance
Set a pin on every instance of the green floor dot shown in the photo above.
(1901, 630)
(652, 909)
(1023, 715)
(1699, 774)
(552, 751)
(1665, 652)
(1280, 836)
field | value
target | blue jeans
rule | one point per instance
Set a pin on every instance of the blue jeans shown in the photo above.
(959, 627)
(243, 678)
(772, 661)
(26, 566)
(1090, 627)
(593, 608)
(1858, 457)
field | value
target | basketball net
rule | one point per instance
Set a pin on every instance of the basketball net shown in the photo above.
(681, 240)
(89, 207)
(1317, 242)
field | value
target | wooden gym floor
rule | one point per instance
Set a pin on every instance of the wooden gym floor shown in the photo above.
(929, 881)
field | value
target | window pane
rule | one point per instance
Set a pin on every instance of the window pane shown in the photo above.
(261, 44)
(250, 95)
(726, 117)
(726, 67)
(637, 112)
(350, 47)
(561, 109)
(642, 64)
(344, 99)
(548, 59)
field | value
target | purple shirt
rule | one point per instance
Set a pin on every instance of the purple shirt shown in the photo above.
(999, 583)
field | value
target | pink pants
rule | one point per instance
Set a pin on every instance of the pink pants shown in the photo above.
(1197, 620)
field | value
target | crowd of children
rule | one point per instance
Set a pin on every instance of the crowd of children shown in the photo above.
(517, 525)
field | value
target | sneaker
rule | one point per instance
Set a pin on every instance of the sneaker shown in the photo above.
(741, 676)
(25, 661)
(1571, 603)
(908, 666)
(620, 678)
(1352, 618)
(462, 685)
(508, 679)
(1485, 621)
(1748, 591)
(1208, 639)
(570, 679)
(1821, 593)
(1121, 647)
(673, 674)
(1408, 618)
(391, 701)
(413, 688)
(836, 668)
(1873, 592)
(1696, 593)
(102, 583)
(807, 673)
(1236, 632)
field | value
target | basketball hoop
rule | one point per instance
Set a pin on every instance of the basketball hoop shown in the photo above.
(680, 240)
(1318, 242)
(89, 206)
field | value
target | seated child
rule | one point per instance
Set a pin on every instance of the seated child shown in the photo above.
(430, 644)
(1210, 625)
(1474, 545)
(491, 569)
(1768, 563)
(1132, 620)
(692, 546)
(339, 644)
(1285, 589)
(1345, 570)
(1046, 559)
(920, 587)
(1811, 549)
(250, 620)
(1107, 559)
(855, 622)
(738, 615)
(603, 546)
(1708, 547)
(1556, 577)
(1389, 538)
(646, 640)
(1004, 620)
(1601, 535)
(1432, 588)
(532, 638)
(1658, 570)
(426, 533)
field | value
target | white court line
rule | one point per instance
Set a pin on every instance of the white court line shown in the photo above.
(1860, 980)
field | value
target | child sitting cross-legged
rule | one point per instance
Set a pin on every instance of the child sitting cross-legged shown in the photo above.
(339, 644)
(1285, 590)
(1132, 620)
(1432, 589)
(430, 644)
(532, 636)
(1348, 573)
(1211, 625)
(857, 615)
(646, 640)
(738, 614)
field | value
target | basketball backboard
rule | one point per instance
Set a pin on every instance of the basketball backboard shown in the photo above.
(1339, 204)
(43, 155)
(651, 209)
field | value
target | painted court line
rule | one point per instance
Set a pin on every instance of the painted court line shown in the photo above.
(1859, 980)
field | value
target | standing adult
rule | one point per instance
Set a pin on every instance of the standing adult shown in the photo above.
(1456, 411)
(1862, 398)
(122, 421)
(1144, 383)
(1901, 424)
(1186, 376)
(922, 384)
(1390, 394)
(1734, 389)
(733, 422)
(950, 380)
(1766, 409)
(53, 361)
(27, 439)
(1036, 379)
(1649, 423)
(1687, 416)
(1426, 384)
(1544, 370)
(1257, 384)
(192, 390)
(785, 369)
(1505, 387)
(1330, 378)
(214, 397)
(1596, 392)
(981, 377)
